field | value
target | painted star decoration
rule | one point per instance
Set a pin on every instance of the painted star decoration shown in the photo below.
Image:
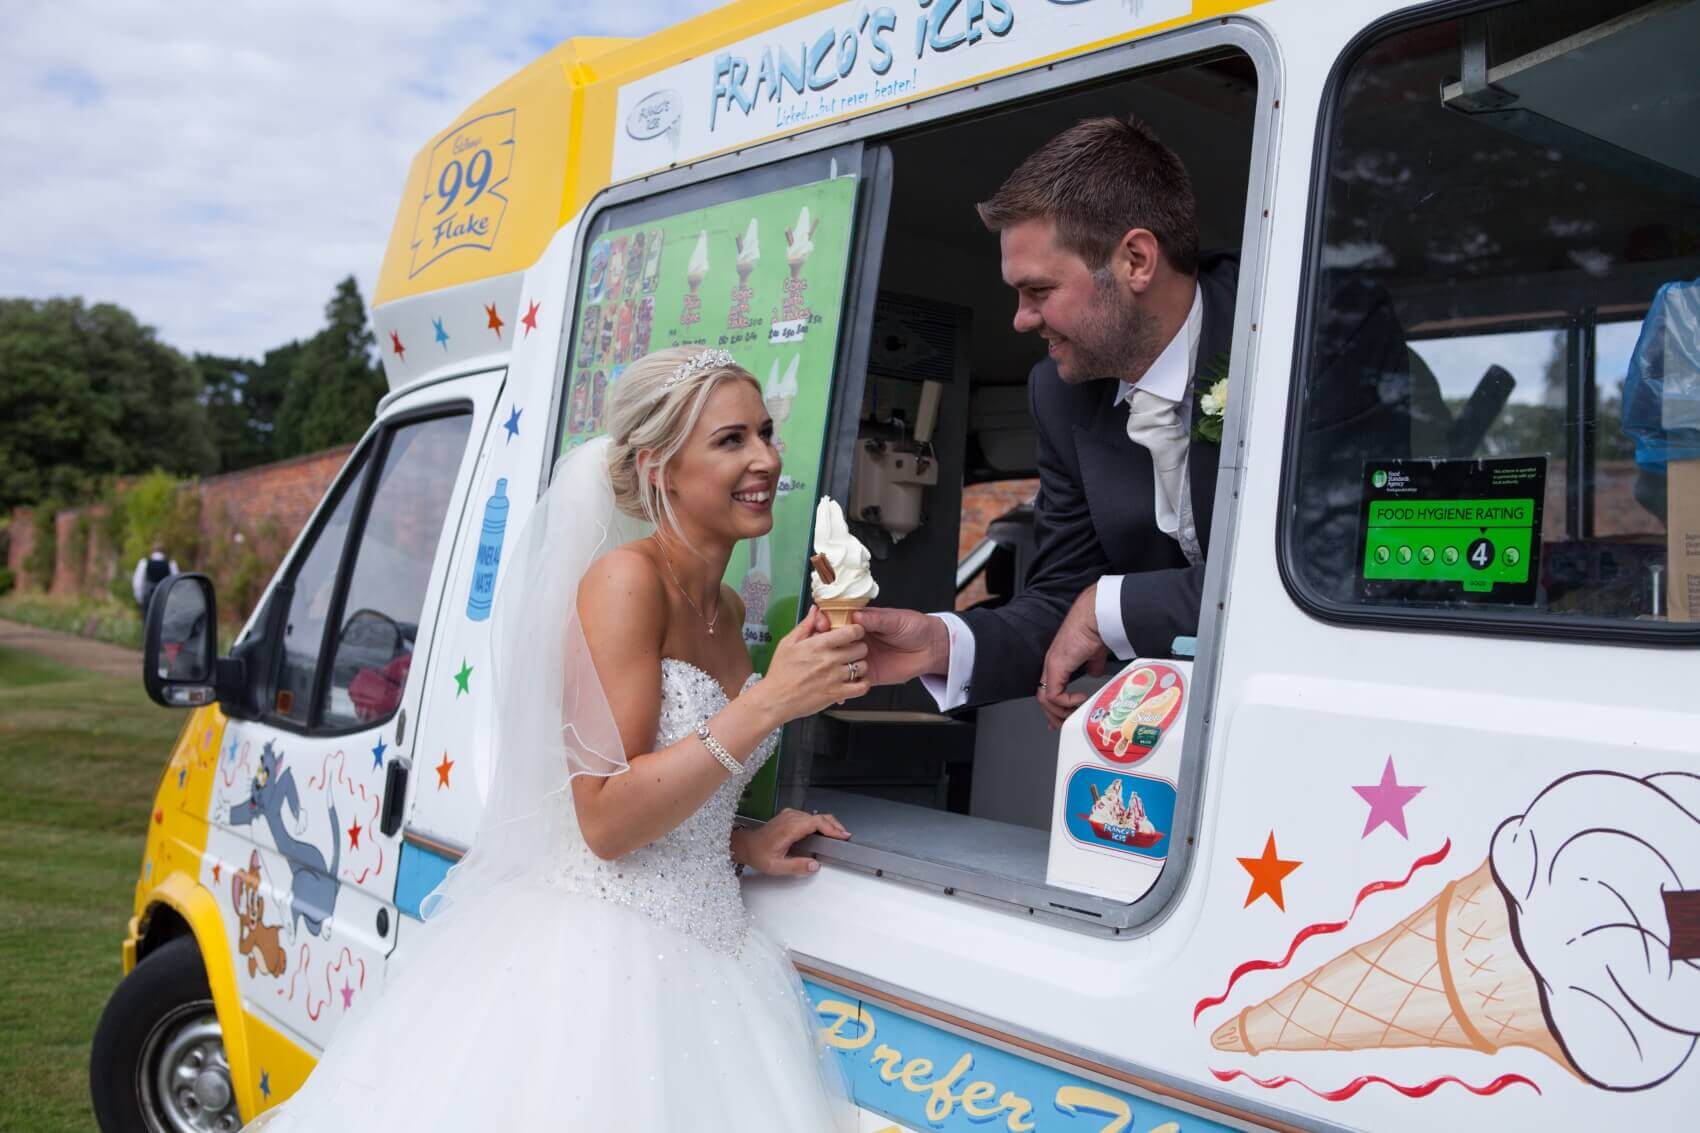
(530, 320)
(347, 994)
(1387, 801)
(1267, 872)
(513, 422)
(265, 1084)
(495, 322)
(463, 678)
(378, 753)
(443, 770)
(442, 335)
(396, 347)
(354, 833)
(217, 868)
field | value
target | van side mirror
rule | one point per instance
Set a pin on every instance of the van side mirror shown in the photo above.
(180, 663)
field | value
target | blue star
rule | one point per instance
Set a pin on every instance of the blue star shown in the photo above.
(182, 773)
(442, 335)
(513, 423)
(265, 1084)
(378, 754)
(232, 755)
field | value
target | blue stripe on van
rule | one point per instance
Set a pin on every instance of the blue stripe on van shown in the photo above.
(421, 871)
(925, 1077)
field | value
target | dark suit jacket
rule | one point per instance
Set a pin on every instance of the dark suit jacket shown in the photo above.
(1095, 515)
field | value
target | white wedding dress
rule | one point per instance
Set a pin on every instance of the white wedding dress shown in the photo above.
(619, 996)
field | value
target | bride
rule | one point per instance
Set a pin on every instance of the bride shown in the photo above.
(590, 965)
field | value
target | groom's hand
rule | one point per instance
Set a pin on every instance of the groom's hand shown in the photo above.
(1076, 646)
(903, 644)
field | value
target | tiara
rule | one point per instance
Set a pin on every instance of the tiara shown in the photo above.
(697, 364)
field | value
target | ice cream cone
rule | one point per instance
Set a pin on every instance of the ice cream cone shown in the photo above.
(1448, 975)
(838, 610)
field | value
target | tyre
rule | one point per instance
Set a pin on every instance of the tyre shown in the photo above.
(158, 1061)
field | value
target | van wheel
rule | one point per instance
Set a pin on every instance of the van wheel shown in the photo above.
(158, 1060)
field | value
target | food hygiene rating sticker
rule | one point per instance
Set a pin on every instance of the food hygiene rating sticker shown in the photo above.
(1453, 530)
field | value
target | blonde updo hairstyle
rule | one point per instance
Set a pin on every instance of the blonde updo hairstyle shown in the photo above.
(648, 423)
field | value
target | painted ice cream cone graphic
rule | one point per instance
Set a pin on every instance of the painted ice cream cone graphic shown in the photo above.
(749, 251)
(799, 242)
(1576, 937)
(842, 582)
(697, 269)
(781, 391)
(1447, 975)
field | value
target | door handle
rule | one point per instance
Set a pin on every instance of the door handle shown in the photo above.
(395, 796)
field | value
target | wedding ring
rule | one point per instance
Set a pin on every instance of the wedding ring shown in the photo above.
(853, 669)
(1041, 686)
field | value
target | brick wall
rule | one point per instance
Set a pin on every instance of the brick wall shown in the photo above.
(283, 494)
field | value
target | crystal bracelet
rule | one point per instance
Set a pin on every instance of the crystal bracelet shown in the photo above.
(717, 749)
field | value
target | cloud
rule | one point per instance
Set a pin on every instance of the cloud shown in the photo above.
(217, 168)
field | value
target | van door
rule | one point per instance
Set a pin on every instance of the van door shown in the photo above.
(301, 845)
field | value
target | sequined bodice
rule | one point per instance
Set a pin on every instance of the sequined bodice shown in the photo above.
(683, 879)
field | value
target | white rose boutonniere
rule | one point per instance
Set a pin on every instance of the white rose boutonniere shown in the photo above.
(1212, 394)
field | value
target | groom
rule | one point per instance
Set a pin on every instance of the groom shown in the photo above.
(1099, 238)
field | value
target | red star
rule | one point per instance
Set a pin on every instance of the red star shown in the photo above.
(354, 836)
(443, 771)
(400, 350)
(530, 320)
(495, 322)
(158, 816)
(347, 995)
(1266, 874)
(216, 867)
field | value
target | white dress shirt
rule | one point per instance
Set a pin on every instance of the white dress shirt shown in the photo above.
(139, 579)
(1167, 378)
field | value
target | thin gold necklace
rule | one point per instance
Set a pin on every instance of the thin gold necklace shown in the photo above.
(686, 594)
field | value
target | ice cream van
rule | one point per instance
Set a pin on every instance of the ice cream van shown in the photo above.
(1406, 837)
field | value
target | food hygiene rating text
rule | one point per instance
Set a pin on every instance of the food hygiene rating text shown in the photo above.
(834, 54)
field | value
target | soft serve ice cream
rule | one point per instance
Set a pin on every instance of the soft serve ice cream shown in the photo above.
(842, 579)
(749, 251)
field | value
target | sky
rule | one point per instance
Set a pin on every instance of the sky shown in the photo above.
(217, 168)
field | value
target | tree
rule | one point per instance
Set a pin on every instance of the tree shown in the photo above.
(334, 380)
(87, 391)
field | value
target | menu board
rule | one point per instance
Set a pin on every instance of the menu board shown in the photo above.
(763, 278)
(1453, 530)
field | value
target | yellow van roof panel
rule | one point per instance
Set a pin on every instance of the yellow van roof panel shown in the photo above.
(485, 196)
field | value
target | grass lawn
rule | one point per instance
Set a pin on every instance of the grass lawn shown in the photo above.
(80, 756)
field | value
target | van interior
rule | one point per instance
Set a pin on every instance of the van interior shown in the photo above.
(944, 417)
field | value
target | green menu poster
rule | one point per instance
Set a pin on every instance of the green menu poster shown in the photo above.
(763, 278)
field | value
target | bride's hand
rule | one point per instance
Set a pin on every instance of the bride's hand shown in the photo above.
(814, 667)
(768, 848)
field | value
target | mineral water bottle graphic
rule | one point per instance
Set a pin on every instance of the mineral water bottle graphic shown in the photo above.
(489, 554)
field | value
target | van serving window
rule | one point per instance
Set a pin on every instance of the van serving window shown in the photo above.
(940, 485)
(1497, 425)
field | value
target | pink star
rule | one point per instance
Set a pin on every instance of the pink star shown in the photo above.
(347, 995)
(1387, 801)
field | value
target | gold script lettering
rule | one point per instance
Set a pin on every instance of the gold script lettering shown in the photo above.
(842, 1015)
(1020, 1112)
(1073, 1100)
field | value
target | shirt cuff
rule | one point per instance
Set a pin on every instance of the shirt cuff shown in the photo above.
(1108, 610)
(951, 690)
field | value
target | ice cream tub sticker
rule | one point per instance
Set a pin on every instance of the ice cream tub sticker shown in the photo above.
(489, 554)
(1133, 713)
(1131, 813)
